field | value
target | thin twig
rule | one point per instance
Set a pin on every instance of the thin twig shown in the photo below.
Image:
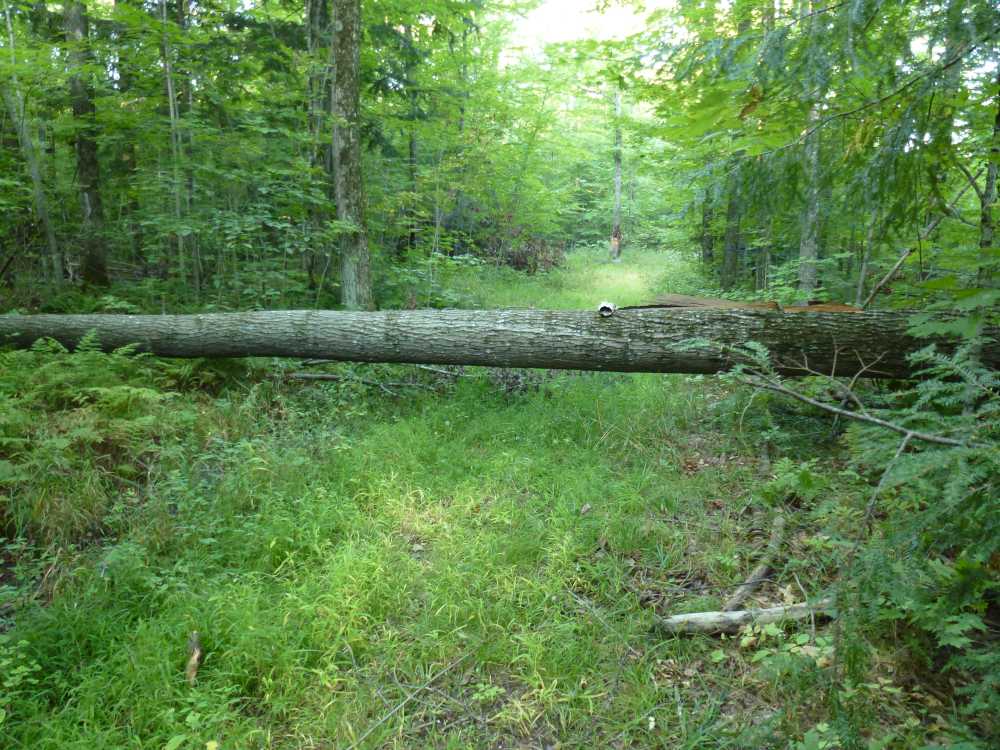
(600, 618)
(805, 596)
(973, 179)
(924, 234)
(870, 510)
(6, 264)
(402, 704)
(966, 49)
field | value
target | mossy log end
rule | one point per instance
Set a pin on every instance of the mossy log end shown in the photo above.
(647, 339)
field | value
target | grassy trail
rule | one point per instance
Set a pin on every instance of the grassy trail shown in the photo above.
(474, 567)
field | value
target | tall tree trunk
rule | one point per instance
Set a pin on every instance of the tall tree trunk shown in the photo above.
(411, 232)
(14, 101)
(987, 229)
(870, 238)
(128, 162)
(320, 106)
(734, 215)
(616, 215)
(94, 268)
(809, 239)
(810, 228)
(185, 138)
(707, 233)
(176, 140)
(761, 279)
(644, 339)
(459, 212)
(15, 109)
(411, 137)
(355, 259)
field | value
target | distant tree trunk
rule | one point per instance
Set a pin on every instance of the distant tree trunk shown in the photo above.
(128, 163)
(988, 197)
(94, 269)
(763, 264)
(14, 101)
(866, 257)
(707, 233)
(411, 237)
(15, 109)
(810, 229)
(809, 239)
(411, 163)
(320, 108)
(355, 268)
(185, 105)
(176, 239)
(616, 217)
(734, 215)
(459, 212)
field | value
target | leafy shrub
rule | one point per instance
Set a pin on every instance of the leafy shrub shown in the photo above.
(534, 255)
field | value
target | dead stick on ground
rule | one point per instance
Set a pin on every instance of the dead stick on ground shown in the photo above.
(731, 622)
(194, 657)
(762, 571)
(402, 704)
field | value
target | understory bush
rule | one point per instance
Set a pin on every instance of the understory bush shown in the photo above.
(929, 576)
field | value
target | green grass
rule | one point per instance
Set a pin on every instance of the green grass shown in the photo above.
(338, 549)
(587, 278)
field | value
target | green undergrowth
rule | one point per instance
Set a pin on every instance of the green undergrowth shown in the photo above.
(459, 561)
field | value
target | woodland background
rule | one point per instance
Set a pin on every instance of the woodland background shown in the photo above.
(339, 543)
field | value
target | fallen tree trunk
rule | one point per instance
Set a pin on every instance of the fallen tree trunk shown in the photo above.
(651, 339)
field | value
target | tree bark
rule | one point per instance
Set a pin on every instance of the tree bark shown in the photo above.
(616, 216)
(355, 268)
(640, 339)
(94, 268)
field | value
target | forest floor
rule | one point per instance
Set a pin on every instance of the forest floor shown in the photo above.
(471, 562)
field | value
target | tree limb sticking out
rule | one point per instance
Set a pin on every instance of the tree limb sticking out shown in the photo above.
(652, 339)
(760, 573)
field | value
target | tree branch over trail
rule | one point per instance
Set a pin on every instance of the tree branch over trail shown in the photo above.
(759, 380)
(950, 210)
(641, 339)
